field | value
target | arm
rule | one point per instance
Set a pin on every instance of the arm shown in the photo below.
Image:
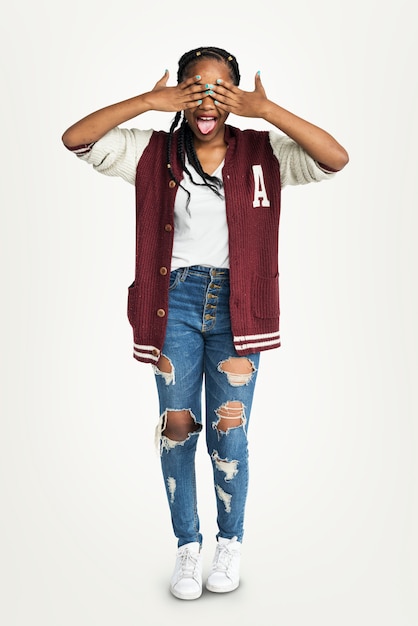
(319, 144)
(161, 98)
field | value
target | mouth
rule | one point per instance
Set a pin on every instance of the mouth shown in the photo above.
(206, 124)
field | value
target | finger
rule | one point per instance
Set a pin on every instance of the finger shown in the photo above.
(259, 85)
(227, 93)
(257, 81)
(193, 80)
(222, 84)
(163, 80)
(225, 97)
(221, 100)
(194, 98)
(192, 104)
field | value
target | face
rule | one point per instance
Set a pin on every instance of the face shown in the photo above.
(206, 120)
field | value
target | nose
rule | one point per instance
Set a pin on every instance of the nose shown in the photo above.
(207, 103)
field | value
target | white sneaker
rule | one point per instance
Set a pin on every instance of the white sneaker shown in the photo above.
(225, 567)
(186, 581)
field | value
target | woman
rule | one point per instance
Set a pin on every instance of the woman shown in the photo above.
(205, 301)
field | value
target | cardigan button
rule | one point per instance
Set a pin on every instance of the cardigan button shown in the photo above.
(172, 184)
(155, 352)
(168, 228)
(160, 312)
(163, 271)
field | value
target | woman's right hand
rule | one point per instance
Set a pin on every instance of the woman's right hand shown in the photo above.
(185, 95)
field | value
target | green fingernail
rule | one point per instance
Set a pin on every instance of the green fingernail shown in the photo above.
(209, 92)
(216, 102)
(208, 86)
(198, 76)
(199, 101)
(219, 80)
(259, 72)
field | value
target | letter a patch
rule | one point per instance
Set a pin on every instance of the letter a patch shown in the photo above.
(260, 193)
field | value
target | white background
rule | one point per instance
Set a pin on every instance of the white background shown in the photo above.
(332, 513)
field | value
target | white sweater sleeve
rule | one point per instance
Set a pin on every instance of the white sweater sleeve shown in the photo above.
(296, 166)
(117, 153)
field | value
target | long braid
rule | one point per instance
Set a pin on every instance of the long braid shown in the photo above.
(185, 146)
(212, 181)
(170, 142)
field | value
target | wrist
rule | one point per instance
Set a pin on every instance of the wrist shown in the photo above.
(272, 112)
(146, 101)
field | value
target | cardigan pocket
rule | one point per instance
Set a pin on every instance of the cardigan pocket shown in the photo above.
(133, 301)
(266, 304)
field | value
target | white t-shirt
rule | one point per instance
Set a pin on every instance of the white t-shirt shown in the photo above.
(200, 230)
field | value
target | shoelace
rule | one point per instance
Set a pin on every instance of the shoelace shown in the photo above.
(223, 558)
(188, 564)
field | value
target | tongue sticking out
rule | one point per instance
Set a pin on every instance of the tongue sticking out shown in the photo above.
(206, 125)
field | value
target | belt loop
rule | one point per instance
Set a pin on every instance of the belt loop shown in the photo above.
(184, 272)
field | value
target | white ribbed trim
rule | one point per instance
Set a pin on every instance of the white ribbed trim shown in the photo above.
(145, 352)
(82, 150)
(117, 153)
(262, 336)
(246, 342)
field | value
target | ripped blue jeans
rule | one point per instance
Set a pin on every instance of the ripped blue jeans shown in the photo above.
(199, 349)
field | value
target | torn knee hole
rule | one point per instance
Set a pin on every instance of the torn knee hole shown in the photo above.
(231, 415)
(164, 364)
(164, 368)
(179, 425)
(238, 370)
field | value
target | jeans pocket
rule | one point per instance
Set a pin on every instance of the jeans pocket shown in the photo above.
(174, 279)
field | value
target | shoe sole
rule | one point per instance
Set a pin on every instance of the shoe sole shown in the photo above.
(214, 589)
(183, 596)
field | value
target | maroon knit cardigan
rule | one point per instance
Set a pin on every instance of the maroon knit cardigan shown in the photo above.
(253, 242)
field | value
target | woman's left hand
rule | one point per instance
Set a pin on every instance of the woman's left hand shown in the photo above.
(231, 98)
(319, 144)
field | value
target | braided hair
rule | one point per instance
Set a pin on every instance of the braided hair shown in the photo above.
(185, 145)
